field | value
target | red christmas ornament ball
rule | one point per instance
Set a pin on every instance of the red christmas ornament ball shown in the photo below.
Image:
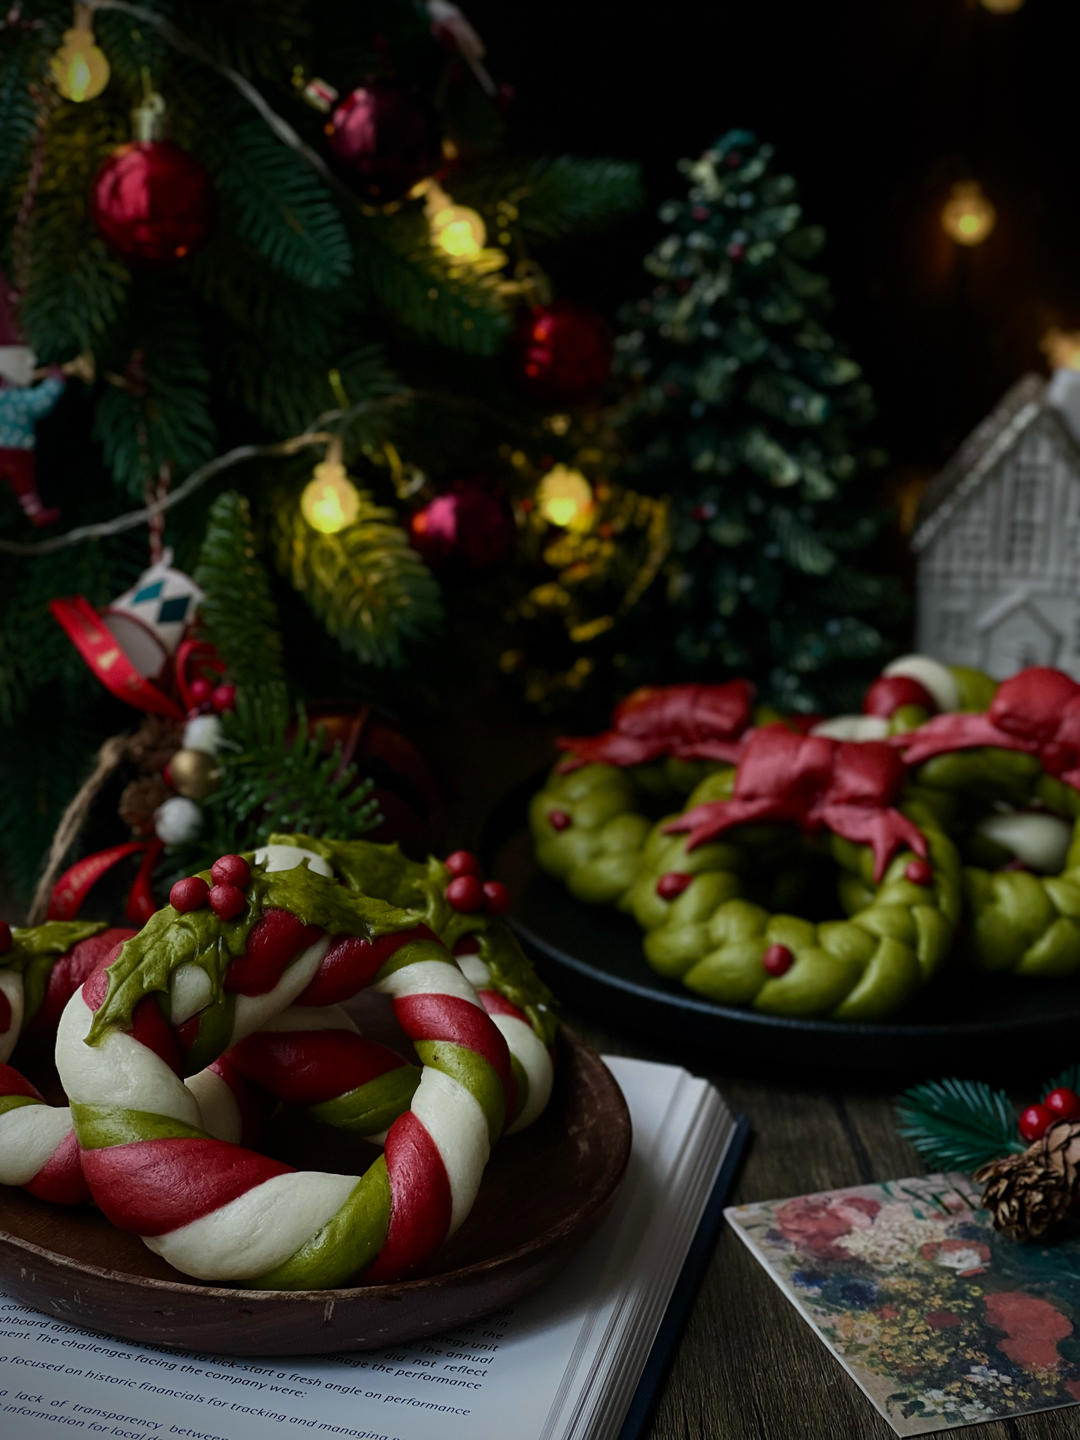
(1035, 1121)
(384, 139)
(231, 870)
(189, 894)
(496, 897)
(152, 201)
(223, 697)
(470, 526)
(889, 692)
(462, 862)
(1063, 1103)
(564, 353)
(200, 690)
(227, 901)
(777, 960)
(465, 894)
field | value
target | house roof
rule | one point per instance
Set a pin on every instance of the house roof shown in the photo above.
(987, 444)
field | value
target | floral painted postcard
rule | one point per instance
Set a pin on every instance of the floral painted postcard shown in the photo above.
(939, 1319)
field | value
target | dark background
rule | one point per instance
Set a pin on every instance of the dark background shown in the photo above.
(877, 107)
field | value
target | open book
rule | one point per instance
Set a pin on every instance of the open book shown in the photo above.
(567, 1362)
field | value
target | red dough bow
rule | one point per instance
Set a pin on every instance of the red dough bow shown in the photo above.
(816, 783)
(686, 722)
(1037, 712)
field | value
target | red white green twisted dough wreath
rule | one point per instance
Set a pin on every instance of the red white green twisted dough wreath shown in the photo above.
(235, 990)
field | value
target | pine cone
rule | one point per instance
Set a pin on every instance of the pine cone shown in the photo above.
(1031, 1194)
(155, 743)
(139, 801)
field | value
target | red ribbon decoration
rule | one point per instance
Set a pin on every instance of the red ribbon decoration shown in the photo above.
(685, 722)
(1036, 712)
(97, 645)
(818, 784)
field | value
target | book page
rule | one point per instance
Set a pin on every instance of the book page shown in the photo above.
(468, 1385)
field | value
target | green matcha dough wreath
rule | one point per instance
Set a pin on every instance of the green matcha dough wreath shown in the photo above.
(1006, 784)
(590, 820)
(715, 883)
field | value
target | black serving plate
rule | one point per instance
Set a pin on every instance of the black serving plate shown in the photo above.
(591, 955)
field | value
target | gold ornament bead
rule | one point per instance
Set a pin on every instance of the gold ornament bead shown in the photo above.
(193, 773)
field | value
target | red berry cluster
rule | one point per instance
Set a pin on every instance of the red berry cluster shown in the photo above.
(6, 940)
(1060, 1104)
(205, 696)
(467, 892)
(231, 875)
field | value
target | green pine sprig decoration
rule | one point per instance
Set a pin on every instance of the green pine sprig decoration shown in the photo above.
(958, 1124)
(1069, 1079)
(366, 583)
(277, 774)
(238, 610)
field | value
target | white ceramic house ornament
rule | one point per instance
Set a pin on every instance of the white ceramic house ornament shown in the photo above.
(998, 537)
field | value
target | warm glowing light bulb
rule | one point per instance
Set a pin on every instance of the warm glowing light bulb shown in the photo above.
(1062, 348)
(458, 232)
(565, 497)
(79, 69)
(1002, 7)
(968, 216)
(330, 500)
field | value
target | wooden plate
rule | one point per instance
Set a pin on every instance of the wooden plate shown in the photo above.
(543, 1193)
(591, 956)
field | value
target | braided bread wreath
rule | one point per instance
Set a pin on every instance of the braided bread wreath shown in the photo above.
(40, 969)
(713, 909)
(1007, 784)
(258, 974)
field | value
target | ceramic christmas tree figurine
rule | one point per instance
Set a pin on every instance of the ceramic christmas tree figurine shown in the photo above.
(24, 400)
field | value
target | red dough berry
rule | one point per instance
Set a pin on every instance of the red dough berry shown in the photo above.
(462, 862)
(465, 893)
(1063, 1103)
(671, 885)
(919, 872)
(200, 690)
(231, 870)
(1035, 1121)
(227, 901)
(777, 960)
(189, 894)
(559, 820)
(223, 697)
(496, 897)
(6, 941)
(889, 693)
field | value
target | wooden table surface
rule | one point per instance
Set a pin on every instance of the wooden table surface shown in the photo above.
(748, 1366)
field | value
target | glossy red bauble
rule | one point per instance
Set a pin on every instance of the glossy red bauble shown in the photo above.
(1035, 1121)
(223, 698)
(889, 693)
(777, 960)
(384, 139)
(469, 527)
(465, 894)
(496, 897)
(231, 870)
(191, 893)
(200, 691)
(227, 901)
(564, 353)
(1063, 1103)
(152, 201)
(462, 862)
